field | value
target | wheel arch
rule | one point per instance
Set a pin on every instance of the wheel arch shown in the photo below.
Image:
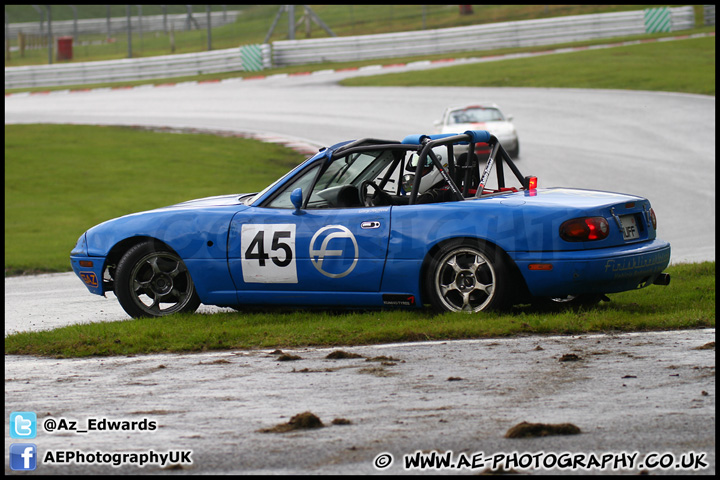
(157, 284)
(522, 293)
(120, 248)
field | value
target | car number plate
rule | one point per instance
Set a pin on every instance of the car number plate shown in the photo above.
(629, 227)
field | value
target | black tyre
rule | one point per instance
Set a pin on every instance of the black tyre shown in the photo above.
(467, 277)
(152, 281)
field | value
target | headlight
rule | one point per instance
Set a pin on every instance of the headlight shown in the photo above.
(80, 246)
(504, 129)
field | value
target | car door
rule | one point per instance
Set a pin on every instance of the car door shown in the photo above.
(324, 250)
(282, 250)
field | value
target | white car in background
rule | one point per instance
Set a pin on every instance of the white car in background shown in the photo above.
(481, 117)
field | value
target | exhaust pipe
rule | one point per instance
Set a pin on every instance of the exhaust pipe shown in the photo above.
(662, 279)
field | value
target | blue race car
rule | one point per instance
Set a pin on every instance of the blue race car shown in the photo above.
(377, 223)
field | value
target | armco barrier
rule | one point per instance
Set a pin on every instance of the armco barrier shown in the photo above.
(526, 33)
(343, 49)
(709, 14)
(167, 66)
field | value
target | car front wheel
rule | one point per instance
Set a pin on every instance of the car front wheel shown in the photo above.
(152, 281)
(467, 277)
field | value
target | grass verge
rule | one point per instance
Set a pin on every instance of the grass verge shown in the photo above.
(61, 180)
(688, 302)
(678, 66)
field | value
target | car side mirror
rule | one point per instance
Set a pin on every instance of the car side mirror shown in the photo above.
(437, 123)
(296, 199)
(509, 118)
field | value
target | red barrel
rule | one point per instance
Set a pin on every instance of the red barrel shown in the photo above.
(64, 48)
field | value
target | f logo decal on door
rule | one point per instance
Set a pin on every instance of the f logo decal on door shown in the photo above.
(320, 250)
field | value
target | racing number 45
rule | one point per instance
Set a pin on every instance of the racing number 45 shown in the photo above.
(274, 266)
(256, 249)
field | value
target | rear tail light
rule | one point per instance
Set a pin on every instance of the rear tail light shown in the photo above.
(584, 229)
(653, 219)
(530, 184)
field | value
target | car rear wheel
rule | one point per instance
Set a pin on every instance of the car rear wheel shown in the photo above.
(467, 277)
(152, 281)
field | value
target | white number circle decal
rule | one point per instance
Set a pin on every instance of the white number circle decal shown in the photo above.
(318, 253)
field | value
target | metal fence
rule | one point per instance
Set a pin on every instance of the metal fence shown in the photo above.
(136, 33)
(344, 49)
(113, 25)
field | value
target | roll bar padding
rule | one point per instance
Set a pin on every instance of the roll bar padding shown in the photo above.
(476, 136)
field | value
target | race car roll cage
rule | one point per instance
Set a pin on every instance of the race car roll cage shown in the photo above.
(424, 144)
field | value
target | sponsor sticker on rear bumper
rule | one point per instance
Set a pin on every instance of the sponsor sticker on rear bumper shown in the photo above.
(631, 266)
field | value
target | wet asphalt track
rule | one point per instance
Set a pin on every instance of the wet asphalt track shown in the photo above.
(631, 392)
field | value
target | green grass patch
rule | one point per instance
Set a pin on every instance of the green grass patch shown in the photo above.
(676, 66)
(61, 180)
(688, 302)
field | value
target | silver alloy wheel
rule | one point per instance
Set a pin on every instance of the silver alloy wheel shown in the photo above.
(465, 280)
(160, 284)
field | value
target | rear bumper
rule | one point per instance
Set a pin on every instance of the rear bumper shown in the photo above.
(607, 270)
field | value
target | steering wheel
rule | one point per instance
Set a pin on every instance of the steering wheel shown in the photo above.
(378, 198)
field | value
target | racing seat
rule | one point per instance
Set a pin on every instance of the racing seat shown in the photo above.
(341, 196)
(348, 196)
